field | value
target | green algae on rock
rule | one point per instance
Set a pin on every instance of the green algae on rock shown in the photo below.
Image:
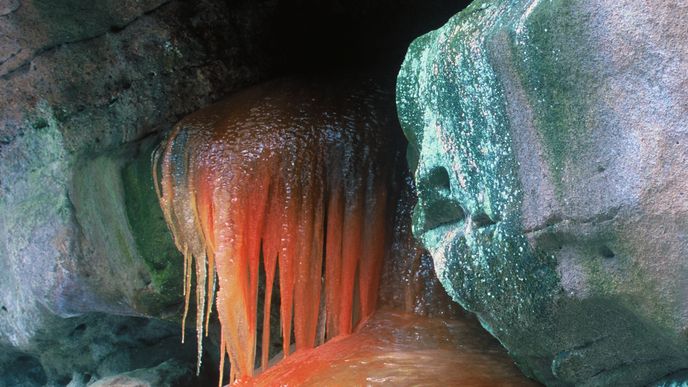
(152, 238)
(468, 137)
(539, 187)
(116, 207)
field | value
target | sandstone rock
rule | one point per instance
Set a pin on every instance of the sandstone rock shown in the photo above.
(134, 267)
(80, 84)
(550, 146)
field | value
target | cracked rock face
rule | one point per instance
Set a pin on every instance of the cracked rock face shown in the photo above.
(550, 148)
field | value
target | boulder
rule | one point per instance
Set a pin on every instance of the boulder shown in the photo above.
(549, 141)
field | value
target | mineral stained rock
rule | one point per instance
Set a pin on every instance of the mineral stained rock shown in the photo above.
(550, 149)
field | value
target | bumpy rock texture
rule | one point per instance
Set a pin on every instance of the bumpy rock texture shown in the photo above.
(81, 83)
(550, 148)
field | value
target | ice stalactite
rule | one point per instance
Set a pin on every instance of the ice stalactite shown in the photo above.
(296, 177)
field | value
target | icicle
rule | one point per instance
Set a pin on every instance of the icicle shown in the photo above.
(223, 354)
(333, 262)
(187, 289)
(271, 238)
(373, 245)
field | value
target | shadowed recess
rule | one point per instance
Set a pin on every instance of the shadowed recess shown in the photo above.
(296, 177)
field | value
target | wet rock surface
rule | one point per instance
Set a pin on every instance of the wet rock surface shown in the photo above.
(82, 350)
(549, 146)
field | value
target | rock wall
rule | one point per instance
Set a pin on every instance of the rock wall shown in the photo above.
(550, 149)
(79, 80)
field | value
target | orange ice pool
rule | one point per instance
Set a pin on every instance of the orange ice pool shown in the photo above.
(400, 349)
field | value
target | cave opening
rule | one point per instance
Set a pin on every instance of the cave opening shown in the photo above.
(306, 37)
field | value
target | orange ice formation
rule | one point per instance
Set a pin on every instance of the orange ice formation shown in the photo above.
(293, 176)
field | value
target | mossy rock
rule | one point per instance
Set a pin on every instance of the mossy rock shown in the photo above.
(132, 254)
(150, 232)
(541, 196)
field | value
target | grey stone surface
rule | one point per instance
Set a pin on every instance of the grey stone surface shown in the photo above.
(83, 349)
(550, 146)
(167, 374)
(81, 83)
